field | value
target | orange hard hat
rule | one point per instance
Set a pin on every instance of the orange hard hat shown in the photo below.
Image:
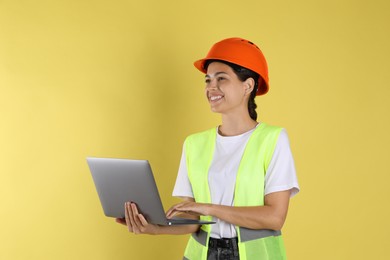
(240, 52)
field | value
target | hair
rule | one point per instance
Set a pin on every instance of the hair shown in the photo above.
(244, 74)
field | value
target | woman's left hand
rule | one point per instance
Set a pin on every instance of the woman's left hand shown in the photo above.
(189, 207)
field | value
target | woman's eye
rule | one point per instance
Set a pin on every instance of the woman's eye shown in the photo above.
(220, 79)
(207, 81)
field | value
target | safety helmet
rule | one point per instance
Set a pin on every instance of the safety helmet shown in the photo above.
(240, 52)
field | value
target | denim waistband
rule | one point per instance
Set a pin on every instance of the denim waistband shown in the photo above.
(223, 243)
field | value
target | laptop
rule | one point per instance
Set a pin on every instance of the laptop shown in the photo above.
(121, 180)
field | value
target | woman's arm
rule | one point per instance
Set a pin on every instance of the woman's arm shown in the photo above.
(137, 224)
(270, 216)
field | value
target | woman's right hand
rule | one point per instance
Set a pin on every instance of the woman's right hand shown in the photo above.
(136, 222)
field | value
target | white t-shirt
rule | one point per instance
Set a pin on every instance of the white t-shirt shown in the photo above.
(280, 175)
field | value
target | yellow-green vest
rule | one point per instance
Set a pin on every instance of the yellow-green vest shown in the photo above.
(249, 191)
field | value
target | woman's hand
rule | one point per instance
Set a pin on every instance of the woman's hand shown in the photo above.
(136, 222)
(189, 207)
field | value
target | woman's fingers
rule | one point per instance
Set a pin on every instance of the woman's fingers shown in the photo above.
(179, 208)
(135, 221)
(141, 225)
(134, 209)
(127, 217)
(173, 211)
(140, 219)
(143, 221)
(188, 207)
(133, 217)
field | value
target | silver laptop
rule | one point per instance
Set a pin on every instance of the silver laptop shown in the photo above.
(121, 180)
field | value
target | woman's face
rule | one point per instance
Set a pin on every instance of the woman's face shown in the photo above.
(224, 91)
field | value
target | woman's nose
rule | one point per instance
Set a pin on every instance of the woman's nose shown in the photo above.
(212, 84)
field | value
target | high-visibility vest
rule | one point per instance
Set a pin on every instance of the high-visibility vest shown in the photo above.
(249, 191)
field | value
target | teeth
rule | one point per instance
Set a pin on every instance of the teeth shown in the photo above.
(215, 98)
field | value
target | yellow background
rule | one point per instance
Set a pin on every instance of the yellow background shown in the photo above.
(115, 79)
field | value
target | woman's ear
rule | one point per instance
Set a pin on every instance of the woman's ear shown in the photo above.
(249, 85)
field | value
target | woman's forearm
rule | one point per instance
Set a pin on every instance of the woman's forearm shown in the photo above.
(259, 217)
(177, 230)
(270, 216)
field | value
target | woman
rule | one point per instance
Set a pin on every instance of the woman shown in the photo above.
(240, 174)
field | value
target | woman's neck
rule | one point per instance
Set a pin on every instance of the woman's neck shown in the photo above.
(232, 126)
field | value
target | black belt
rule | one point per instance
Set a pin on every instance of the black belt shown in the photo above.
(223, 243)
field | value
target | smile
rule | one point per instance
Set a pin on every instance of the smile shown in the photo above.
(215, 98)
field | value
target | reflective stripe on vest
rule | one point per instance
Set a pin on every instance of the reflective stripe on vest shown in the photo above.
(249, 191)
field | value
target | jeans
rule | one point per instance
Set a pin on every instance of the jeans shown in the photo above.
(223, 249)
